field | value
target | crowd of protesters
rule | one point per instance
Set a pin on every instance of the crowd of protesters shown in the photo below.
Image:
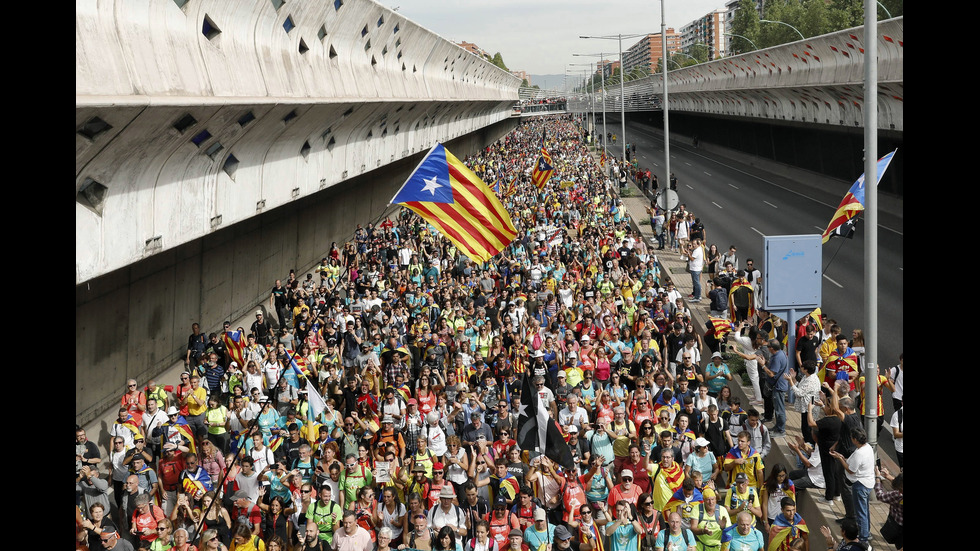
(420, 355)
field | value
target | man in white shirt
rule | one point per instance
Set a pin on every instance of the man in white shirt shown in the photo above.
(153, 417)
(696, 265)
(860, 472)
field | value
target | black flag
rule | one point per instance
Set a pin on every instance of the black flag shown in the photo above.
(537, 431)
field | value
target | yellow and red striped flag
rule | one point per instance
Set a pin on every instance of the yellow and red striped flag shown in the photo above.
(448, 195)
(543, 169)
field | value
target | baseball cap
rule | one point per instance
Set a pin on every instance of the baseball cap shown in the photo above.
(741, 477)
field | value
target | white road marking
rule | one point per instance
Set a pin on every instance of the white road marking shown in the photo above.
(819, 229)
(716, 204)
(784, 188)
(688, 187)
(832, 281)
(770, 204)
(708, 173)
(687, 163)
(757, 231)
(733, 185)
(644, 156)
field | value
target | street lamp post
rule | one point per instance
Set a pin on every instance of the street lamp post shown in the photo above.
(745, 38)
(783, 23)
(602, 84)
(622, 81)
(592, 94)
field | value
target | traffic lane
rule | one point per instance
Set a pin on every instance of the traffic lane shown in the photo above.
(734, 200)
(697, 165)
(737, 206)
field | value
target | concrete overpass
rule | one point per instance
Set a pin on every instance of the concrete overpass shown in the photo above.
(817, 81)
(219, 145)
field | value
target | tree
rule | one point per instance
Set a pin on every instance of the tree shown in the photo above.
(498, 60)
(814, 18)
(699, 52)
(745, 24)
(524, 83)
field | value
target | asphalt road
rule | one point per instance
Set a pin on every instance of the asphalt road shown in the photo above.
(740, 203)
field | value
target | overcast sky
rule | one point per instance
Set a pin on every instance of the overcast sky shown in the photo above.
(540, 36)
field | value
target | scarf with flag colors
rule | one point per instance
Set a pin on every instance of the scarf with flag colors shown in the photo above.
(235, 343)
(783, 532)
(450, 197)
(853, 201)
(660, 404)
(665, 483)
(838, 363)
(751, 458)
(130, 423)
(679, 499)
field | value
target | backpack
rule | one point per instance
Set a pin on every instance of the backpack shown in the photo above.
(411, 539)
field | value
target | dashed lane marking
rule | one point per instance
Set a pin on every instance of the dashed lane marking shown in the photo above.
(832, 281)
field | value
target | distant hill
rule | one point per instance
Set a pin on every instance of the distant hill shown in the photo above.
(548, 82)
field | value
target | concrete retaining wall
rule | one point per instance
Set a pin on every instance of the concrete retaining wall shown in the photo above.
(134, 322)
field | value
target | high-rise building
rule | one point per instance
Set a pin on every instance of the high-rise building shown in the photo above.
(607, 67)
(647, 52)
(730, 8)
(522, 75)
(708, 30)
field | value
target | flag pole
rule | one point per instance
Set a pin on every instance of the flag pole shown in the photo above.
(409, 179)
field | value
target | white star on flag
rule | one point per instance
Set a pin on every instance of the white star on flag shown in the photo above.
(431, 185)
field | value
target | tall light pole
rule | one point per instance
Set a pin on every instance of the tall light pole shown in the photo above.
(591, 82)
(622, 83)
(663, 50)
(745, 38)
(871, 217)
(602, 81)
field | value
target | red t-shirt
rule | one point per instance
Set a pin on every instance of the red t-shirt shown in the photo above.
(149, 520)
(169, 471)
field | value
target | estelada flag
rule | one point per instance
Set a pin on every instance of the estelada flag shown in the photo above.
(235, 343)
(853, 201)
(543, 169)
(783, 532)
(458, 204)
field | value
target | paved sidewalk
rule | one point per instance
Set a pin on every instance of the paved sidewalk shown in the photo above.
(811, 504)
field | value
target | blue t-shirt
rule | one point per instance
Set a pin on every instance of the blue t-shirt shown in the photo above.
(715, 385)
(536, 539)
(703, 464)
(751, 542)
(625, 538)
(666, 538)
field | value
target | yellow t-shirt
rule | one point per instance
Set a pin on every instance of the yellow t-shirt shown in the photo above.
(201, 396)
